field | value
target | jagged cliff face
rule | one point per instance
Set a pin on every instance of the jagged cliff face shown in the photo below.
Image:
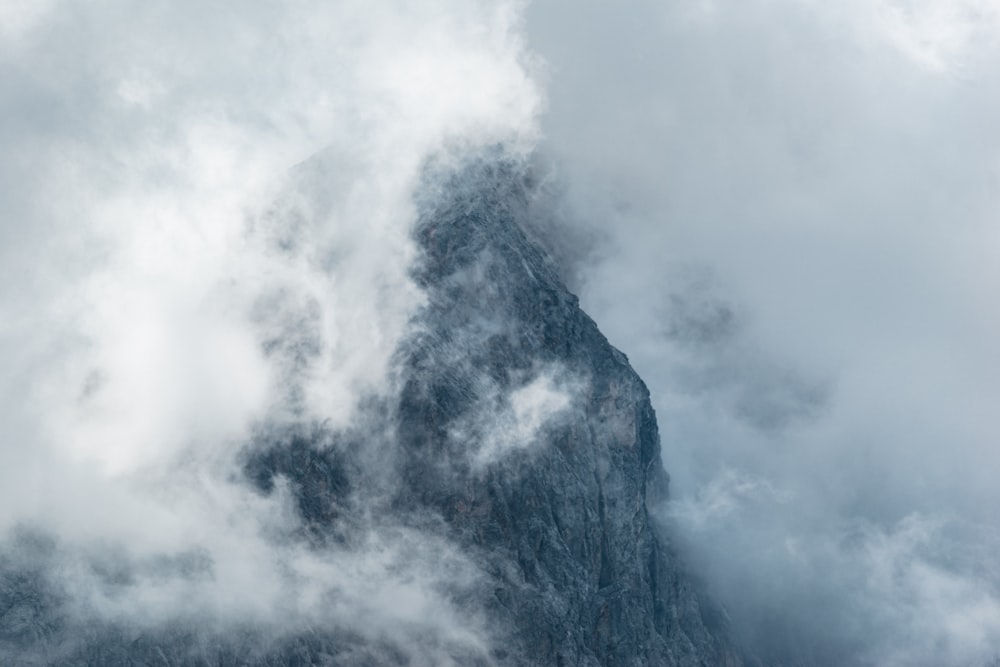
(519, 456)
(581, 574)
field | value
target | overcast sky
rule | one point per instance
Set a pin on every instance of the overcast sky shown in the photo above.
(783, 211)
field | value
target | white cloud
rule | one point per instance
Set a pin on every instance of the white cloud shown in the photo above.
(502, 422)
(520, 419)
(940, 35)
(169, 278)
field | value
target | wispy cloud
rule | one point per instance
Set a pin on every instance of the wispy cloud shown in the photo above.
(170, 279)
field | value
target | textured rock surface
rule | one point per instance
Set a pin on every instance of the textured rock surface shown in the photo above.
(519, 435)
(582, 575)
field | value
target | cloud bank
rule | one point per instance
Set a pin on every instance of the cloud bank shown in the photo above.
(798, 205)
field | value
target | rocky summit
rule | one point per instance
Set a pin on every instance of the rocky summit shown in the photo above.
(581, 574)
(517, 451)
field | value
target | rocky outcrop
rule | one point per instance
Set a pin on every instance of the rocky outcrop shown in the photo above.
(581, 574)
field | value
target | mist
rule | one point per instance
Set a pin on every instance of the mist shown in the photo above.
(782, 211)
(797, 205)
(205, 243)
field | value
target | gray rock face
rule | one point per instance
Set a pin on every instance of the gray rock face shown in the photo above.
(581, 574)
(519, 436)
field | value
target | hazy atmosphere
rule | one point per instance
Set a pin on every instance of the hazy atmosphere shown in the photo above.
(784, 212)
(794, 207)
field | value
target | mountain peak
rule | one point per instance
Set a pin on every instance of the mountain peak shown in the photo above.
(494, 509)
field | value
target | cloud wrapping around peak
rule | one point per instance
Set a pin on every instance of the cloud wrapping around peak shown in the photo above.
(783, 211)
(164, 136)
(206, 217)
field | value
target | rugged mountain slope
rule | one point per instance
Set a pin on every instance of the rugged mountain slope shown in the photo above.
(519, 439)
(582, 575)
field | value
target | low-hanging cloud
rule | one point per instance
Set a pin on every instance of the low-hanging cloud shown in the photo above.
(505, 421)
(206, 216)
(799, 201)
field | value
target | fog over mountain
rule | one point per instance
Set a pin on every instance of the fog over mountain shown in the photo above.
(797, 206)
(213, 222)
